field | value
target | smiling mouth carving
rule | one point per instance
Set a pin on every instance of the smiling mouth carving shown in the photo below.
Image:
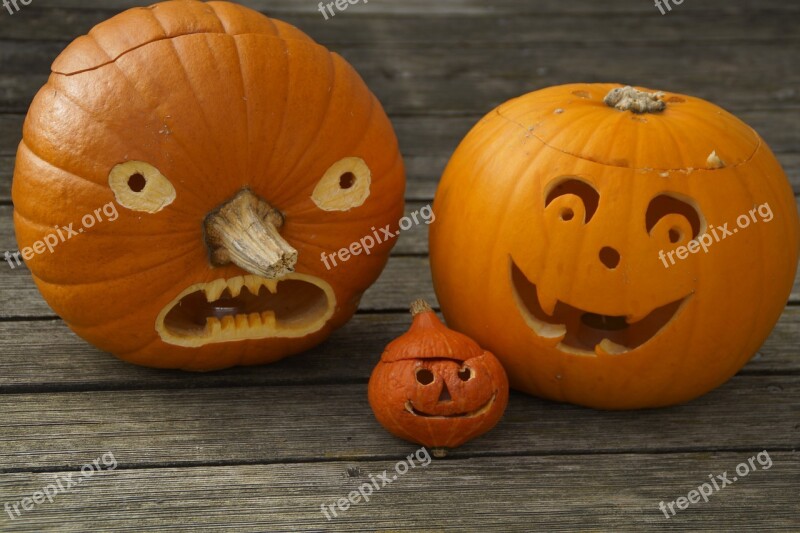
(583, 332)
(246, 307)
(477, 412)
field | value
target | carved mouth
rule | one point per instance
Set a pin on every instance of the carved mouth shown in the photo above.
(583, 332)
(246, 307)
(477, 412)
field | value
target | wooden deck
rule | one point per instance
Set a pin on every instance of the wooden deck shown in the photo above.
(261, 449)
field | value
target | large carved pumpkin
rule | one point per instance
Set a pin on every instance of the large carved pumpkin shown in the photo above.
(237, 152)
(614, 247)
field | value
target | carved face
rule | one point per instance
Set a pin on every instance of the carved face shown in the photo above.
(439, 402)
(242, 157)
(561, 238)
(577, 325)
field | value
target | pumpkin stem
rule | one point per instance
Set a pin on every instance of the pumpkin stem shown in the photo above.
(419, 306)
(244, 231)
(439, 453)
(630, 99)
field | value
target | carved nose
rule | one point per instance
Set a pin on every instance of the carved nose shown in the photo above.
(609, 257)
(444, 396)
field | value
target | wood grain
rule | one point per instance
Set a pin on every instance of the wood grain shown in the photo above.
(323, 422)
(564, 493)
(45, 356)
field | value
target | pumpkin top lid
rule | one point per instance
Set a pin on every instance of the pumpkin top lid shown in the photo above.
(428, 338)
(136, 27)
(632, 127)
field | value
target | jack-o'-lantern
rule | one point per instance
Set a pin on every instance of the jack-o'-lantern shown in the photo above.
(215, 161)
(615, 247)
(437, 387)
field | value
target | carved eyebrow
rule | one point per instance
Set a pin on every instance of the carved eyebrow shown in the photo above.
(664, 204)
(578, 187)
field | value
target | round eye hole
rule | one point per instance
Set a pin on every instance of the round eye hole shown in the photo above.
(424, 376)
(140, 186)
(465, 374)
(567, 214)
(675, 235)
(344, 185)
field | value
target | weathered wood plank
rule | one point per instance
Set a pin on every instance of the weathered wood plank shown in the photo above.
(474, 7)
(435, 80)
(44, 355)
(64, 24)
(306, 423)
(618, 492)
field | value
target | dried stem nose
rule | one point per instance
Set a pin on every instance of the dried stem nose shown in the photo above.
(245, 231)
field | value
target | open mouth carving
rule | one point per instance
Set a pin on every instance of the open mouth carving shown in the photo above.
(477, 412)
(246, 307)
(583, 332)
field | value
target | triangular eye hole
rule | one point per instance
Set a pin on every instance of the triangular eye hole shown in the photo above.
(664, 205)
(577, 187)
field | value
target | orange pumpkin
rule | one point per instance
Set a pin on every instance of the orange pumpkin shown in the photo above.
(563, 242)
(237, 153)
(437, 387)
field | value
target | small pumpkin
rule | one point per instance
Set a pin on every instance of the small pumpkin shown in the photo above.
(553, 219)
(239, 152)
(435, 386)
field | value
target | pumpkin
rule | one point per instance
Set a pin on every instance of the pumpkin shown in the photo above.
(437, 387)
(238, 154)
(568, 240)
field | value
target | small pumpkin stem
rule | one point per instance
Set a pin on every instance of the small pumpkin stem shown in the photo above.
(419, 306)
(439, 453)
(634, 100)
(244, 231)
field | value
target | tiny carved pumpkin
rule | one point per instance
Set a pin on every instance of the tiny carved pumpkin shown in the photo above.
(555, 219)
(435, 386)
(239, 152)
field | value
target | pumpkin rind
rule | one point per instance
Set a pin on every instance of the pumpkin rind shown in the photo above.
(218, 98)
(496, 234)
(466, 396)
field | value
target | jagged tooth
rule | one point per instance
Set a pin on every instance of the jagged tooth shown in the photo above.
(609, 347)
(270, 284)
(241, 322)
(235, 285)
(547, 299)
(254, 320)
(213, 326)
(228, 322)
(253, 283)
(214, 289)
(268, 318)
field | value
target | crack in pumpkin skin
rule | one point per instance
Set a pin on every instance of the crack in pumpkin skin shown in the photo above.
(245, 308)
(583, 332)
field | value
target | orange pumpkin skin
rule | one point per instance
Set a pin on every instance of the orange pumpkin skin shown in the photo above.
(437, 387)
(219, 99)
(544, 185)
